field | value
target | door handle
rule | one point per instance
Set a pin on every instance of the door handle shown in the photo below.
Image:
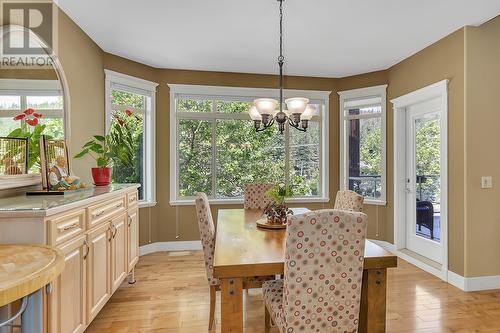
(87, 249)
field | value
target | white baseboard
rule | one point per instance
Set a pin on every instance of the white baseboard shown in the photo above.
(474, 283)
(462, 283)
(170, 246)
(482, 283)
(456, 280)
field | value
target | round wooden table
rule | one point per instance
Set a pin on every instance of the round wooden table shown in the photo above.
(24, 271)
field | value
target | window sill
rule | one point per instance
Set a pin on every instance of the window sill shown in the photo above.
(190, 202)
(146, 204)
(375, 202)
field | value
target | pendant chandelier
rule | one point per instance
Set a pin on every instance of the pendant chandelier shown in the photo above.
(266, 111)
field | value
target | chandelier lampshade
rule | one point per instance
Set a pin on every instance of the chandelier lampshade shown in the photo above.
(296, 105)
(265, 105)
(309, 112)
(254, 114)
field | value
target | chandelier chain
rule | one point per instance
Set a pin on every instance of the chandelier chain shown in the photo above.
(281, 58)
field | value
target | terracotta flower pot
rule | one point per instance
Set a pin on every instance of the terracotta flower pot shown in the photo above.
(101, 176)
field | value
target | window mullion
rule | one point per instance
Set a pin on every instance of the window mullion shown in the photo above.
(214, 154)
(24, 106)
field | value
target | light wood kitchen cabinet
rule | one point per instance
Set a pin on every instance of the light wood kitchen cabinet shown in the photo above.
(119, 267)
(132, 238)
(67, 294)
(97, 230)
(99, 269)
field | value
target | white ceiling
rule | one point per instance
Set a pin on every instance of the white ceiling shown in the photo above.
(329, 38)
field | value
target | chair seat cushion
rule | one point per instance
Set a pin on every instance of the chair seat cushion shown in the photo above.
(273, 299)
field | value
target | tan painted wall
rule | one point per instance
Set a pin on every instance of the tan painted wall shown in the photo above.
(442, 60)
(482, 137)
(82, 62)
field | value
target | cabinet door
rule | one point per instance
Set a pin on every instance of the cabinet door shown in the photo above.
(118, 251)
(99, 269)
(133, 238)
(66, 301)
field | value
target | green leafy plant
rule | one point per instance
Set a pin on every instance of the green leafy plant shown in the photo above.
(31, 129)
(279, 193)
(117, 144)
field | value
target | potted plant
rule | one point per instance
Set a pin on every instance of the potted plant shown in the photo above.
(117, 144)
(277, 212)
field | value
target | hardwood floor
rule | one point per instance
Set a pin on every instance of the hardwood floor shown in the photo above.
(172, 295)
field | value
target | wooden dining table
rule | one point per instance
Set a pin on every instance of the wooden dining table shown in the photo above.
(244, 250)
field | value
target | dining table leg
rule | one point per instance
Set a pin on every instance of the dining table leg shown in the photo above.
(372, 313)
(231, 305)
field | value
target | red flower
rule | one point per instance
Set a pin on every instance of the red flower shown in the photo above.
(128, 112)
(29, 116)
(120, 122)
(32, 122)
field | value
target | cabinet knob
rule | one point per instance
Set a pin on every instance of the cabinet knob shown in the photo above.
(49, 288)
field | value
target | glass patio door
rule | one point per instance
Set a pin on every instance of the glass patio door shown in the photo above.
(423, 179)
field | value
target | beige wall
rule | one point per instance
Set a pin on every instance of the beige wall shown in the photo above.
(482, 137)
(442, 60)
(82, 62)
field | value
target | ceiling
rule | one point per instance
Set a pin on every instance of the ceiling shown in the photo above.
(326, 38)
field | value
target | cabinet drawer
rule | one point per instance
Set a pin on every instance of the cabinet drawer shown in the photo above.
(64, 227)
(102, 212)
(132, 199)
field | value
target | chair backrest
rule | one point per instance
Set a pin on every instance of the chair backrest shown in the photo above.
(207, 232)
(349, 200)
(324, 259)
(255, 196)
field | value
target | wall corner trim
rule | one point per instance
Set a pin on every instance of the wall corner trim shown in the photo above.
(170, 246)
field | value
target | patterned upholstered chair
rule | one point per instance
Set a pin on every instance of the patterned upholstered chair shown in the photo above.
(207, 236)
(321, 289)
(349, 200)
(255, 196)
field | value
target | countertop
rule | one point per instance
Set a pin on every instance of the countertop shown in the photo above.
(26, 268)
(22, 205)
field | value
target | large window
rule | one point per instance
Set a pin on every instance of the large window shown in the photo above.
(363, 156)
(136, 97)
(215, 149)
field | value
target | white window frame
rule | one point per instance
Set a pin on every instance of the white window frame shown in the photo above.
(362, 93)
(250, 94)
(24, 88)
(123, 82)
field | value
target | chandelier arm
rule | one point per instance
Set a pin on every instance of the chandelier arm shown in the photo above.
(292, 123)
(296, 126)
(269, 124)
